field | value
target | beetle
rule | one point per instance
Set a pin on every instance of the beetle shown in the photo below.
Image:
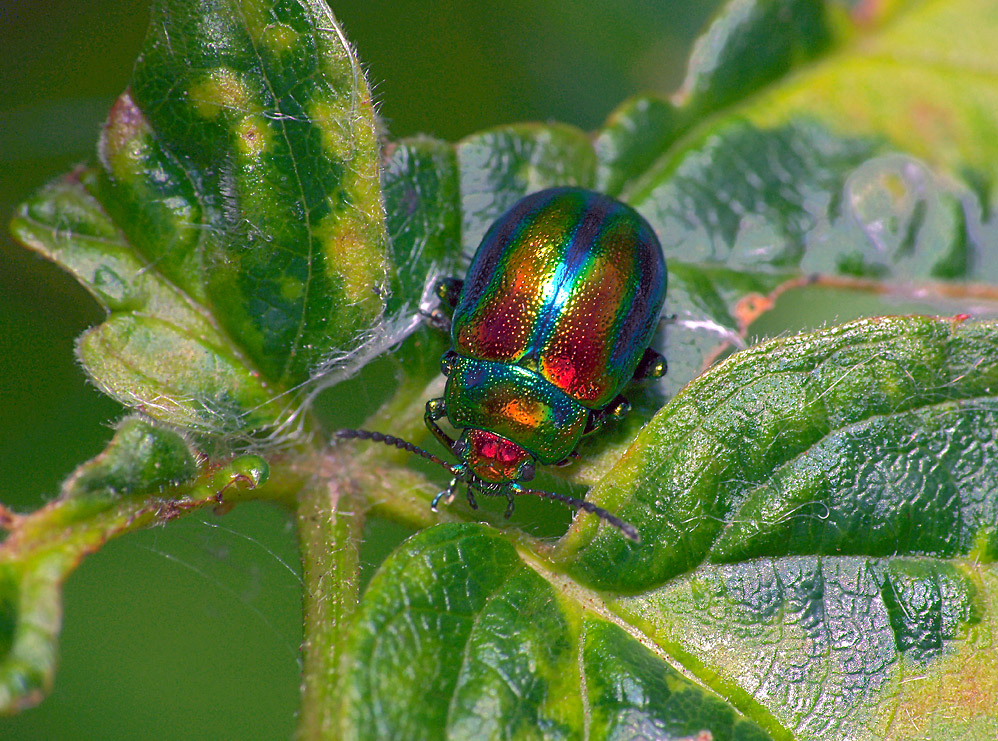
(553, 319)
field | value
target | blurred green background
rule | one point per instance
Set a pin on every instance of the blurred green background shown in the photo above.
(191, 631)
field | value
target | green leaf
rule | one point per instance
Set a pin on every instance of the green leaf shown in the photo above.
(823, 505)
(146, 475)
(423, 203)
(829, 647)
(140, 459)
(501, 166)
(818, 513)
(234, 229)
(740, 54)
(737, 55)
(264, 108)
(866, 439)
(750, 195)
(142, 355)
(909, 81)
(435, 656)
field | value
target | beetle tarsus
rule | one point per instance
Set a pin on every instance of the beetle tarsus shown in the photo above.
(652, 365)
(449, 290)
(618, 409)
(437, 319)
(437, 409)
(568, 459)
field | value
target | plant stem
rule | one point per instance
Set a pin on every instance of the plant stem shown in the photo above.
(330, 523)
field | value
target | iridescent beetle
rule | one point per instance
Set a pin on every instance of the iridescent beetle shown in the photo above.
(553, 319)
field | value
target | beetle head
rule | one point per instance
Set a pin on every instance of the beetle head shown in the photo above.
(493, 458)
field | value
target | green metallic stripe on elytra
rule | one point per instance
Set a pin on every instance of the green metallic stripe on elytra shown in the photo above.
(569, 283)
(582, 318)
(500, 306)
(517, 404)
(616, 292)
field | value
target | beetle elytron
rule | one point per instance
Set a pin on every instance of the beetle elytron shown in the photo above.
(553, 319)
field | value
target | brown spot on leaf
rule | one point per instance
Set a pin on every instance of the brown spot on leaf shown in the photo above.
(868, 14)
(123, 141)
(932, 122)
(750, 308)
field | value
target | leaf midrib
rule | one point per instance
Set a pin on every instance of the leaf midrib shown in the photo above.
(593, 601)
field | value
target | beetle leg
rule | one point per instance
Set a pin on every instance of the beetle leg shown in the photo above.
(447, 362)
(616, 410)
(651, 365)
(447, 494)
(568, 459)
(509, 504)
(437, 409)
(594, 422)
(471, 498)
(449, 290)
(437, 319)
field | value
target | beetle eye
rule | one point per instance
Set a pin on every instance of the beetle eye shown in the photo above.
(527, 471)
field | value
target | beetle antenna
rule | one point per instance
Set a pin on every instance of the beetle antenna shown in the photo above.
(624, 527)
(378, 437)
